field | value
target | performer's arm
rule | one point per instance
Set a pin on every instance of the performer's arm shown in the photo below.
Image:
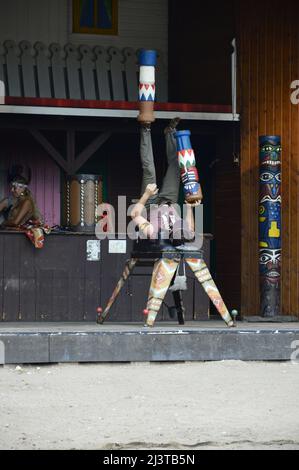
(23, 212)
(3, 204)
(136, 214)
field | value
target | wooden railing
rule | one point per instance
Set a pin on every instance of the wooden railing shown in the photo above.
(70, 72)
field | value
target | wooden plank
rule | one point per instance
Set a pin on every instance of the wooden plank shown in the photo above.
(227, 210)
(27, 67)
(201, 302)
(294, 172)
(253, 198)
(244, 77)
(73, 67)
(93, 273)
(88, 76)
(76, 288)
(102, 73)
(161, 80)
(286, 152)
(44, 293)
(43, 72)
(27, 281)
(12, 65)
(49, 148)
(70, 146)
(11, 274)
(121, 310)
(131, 73)
(136, 291)
(48, 192)
(116, 67)
(113, 113)
(60, 310)
(58, 72)
(90, 150)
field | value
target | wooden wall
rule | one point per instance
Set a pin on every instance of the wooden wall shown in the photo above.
(268, 51)
(142, 23)
(226, 209)
(45, 180)
(200, 35)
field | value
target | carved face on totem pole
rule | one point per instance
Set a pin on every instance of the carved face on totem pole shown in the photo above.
(270, 225)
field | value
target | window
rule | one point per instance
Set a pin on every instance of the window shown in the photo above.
(95, 16)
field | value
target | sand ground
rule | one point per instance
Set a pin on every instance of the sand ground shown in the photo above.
(211, 405)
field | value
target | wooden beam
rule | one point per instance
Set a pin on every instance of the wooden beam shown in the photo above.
(91, 149)
(49, 148)
(70, 145)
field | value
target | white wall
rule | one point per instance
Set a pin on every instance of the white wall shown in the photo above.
(142, 23)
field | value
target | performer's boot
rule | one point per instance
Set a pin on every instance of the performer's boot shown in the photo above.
(187, 164)
(147, 85)
(203, 275)
(163, 273)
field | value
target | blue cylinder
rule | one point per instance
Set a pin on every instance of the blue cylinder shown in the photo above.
(183, 140)
(147, 57)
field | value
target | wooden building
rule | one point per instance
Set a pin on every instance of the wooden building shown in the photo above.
(79, 117)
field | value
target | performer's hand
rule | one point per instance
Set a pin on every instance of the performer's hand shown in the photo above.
(194, 204)
(151, 190)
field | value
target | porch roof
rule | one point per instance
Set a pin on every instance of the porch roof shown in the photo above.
(98, 82)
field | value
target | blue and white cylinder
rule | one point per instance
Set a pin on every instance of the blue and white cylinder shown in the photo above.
(147, 85)
(187, 164)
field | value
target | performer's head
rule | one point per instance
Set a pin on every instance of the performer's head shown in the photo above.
(19, 187)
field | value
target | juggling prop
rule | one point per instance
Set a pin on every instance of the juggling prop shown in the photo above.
(270, 225)
(163, 273)
(162, 276)
(187, 164)
(147, 85)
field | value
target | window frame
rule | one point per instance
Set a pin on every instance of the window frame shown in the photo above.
(77, 29)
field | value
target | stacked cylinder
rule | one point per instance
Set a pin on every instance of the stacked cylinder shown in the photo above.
(147, 85)
(187, 164)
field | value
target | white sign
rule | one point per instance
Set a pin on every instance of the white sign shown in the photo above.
(117, 246)
(93, 250)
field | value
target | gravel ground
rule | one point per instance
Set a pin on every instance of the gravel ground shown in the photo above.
(211, 405)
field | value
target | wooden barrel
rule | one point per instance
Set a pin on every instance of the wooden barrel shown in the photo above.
(83, 195)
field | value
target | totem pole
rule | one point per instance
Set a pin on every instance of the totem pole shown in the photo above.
(187, 164)
(270, 225)
(147, 85)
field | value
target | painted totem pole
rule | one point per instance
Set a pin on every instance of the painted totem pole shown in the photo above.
(147, 85)
(187, 164)
(270, 225)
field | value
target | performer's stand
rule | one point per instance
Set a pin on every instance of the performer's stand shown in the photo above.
(145, 254)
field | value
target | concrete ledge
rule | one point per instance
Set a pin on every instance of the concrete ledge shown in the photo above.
(133, 343)
(25, 348)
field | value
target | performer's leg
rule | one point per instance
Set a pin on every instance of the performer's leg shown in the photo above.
(163, 273)
(171, 183)
(147, 159)
(126, 273)
(203, 275)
